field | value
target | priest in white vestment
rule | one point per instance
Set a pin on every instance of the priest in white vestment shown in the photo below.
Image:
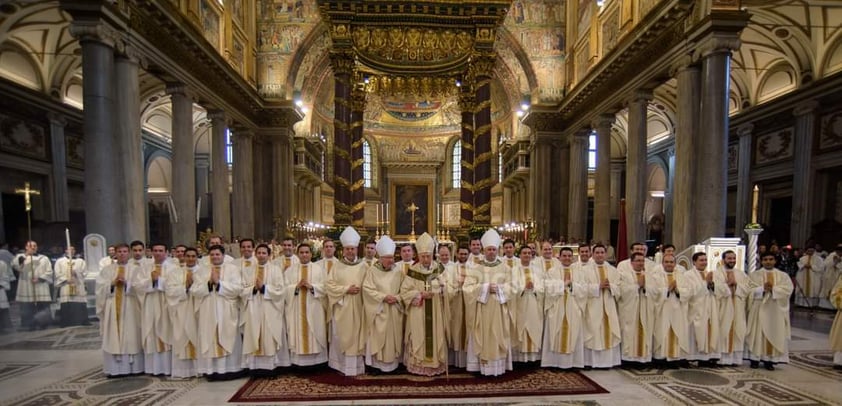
(118, 310)
(287, 257)
(456, 323)
(528, 302)
(565, 297)
(832, 272)
(185, 337)
(329, 260)
(70, 281)
(635, 310)
(475, 247)
(6, 279)
(639, 248)
(672, 292)
(809, 278)
(344, 293)
(384, 309)
(35, 275)
(602, 324)
(264, 295)
(216, 291)
(488, 289)
(423, 295)
(156, 325)
(703, 314)
(835, 337)
(731, 290)
(371, 253)
(768, 321)
(305, 310)
(407, 258)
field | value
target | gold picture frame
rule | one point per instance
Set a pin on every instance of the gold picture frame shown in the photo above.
(402, 195)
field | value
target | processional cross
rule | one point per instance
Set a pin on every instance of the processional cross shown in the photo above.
(411, 209)
(27, 192)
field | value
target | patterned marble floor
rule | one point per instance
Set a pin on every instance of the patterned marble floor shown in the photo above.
(62, 367)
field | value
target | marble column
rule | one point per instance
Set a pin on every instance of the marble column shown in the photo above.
(711, 193)
(636, 175)
(466, 191)
(669, 197)
(203, 175)
(806, 126)
(744, 184)
(562, 176)
(602, 184)
(283, 192)
(686, 139)
(243, 184)
(483, 153)
(220, 189)
(343, 67)
(617, 168)
(357, 175)
(102, 195)
(183, 165)
(577, 214)
(540, 175)
(131, 164)
(58, 176)
(262, 168)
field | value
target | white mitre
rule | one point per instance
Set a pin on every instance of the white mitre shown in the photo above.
(490, 238)
(385, 247)
(349, 237)
(425, 244)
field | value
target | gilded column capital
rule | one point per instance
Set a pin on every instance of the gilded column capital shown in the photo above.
(482, 64)
(342, 62)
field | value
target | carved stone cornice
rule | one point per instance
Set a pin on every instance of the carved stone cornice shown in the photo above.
(279, 116)
(718, 31)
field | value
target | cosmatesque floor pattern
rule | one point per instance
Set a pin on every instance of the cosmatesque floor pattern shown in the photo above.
(61, 366)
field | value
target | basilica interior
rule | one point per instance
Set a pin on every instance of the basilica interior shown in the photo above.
(167, 120)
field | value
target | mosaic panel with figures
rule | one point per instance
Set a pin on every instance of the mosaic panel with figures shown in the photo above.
(94, 388)
(721, 386)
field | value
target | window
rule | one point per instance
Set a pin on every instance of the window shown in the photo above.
(367, 163)
(229, 148)
(592, 151)
(457, 164)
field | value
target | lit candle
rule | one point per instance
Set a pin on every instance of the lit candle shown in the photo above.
(754, 201)
(67, 237)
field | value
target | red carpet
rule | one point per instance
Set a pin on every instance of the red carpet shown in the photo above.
(330, 385)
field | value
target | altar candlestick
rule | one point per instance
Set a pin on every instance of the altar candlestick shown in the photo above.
(754, 201)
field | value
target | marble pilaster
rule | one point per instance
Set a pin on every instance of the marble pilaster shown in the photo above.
(669, 197)
(744, 185)
(58, 176)
(686, 139)
(711, 193)
(183, 165)
(243, 185)
(806, 126)
(562, 176)
(577, 214)
(636, 175)
(602, 188)
(130, 145)
(220, 189)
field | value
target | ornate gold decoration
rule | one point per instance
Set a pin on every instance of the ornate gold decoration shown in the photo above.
(418, 49)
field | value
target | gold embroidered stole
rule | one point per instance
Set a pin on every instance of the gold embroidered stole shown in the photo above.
(118, 296)
(302, 306)
(605, 322)
(672, 341)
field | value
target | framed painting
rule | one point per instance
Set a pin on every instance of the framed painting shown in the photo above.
(411, 204)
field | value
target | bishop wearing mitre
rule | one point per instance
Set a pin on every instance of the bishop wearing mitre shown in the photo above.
(383, 309)
(345, 301)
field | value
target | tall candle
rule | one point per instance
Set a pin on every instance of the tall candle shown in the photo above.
(67, 237)
(754, 202)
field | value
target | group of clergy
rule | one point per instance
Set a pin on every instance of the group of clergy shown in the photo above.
(217, 316)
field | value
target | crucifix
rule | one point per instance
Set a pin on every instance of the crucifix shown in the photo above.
(411, 209)
(27, 192)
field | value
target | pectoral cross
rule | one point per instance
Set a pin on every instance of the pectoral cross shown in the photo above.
(27, 192)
